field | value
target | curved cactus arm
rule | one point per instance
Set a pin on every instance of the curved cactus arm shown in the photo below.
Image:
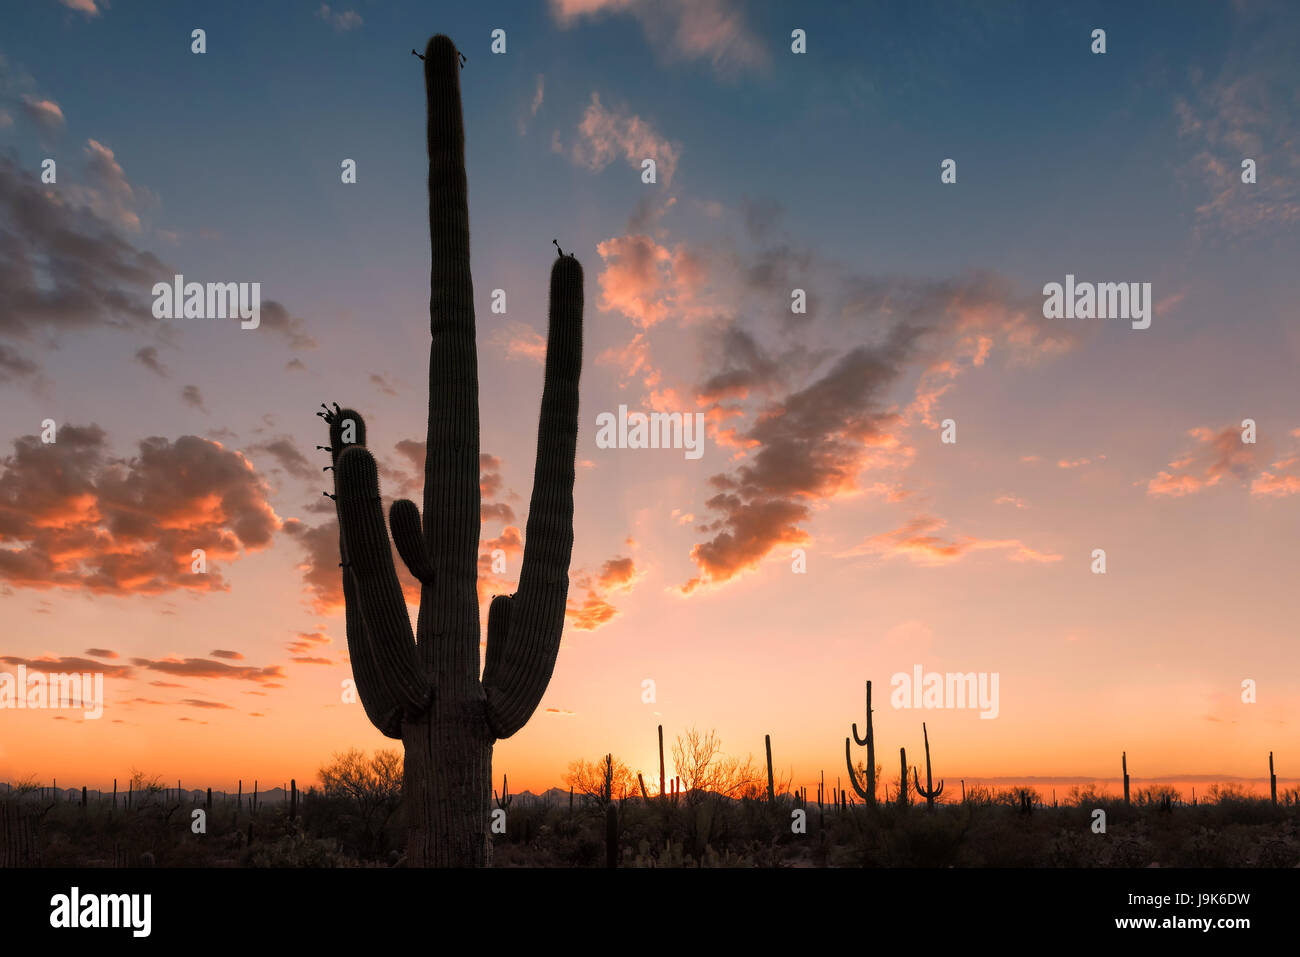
(395, 680)
(519, 669)
(404, 520)
(868, 738)
(853, 775)
(924, 792)
(347, 427)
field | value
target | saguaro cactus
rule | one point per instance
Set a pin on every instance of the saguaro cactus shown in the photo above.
(771, 796)
(930, 792)
(869, 793)
(902, 778)
(1272, 779)
(663, 782)
(426, 689)
(1124, 765)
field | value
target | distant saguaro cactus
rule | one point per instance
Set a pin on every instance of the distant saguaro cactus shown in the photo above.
(1272, 779)
(427, 689)
(1124, 765)
(930, 792)
(771, 795)
(902, 778)
(868, 794)
(504, 800)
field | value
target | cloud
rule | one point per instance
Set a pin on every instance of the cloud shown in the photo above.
(382, 384)
(196, 703)
(1213, 456)
(519, 341)
(539, 95)
(204, 668)
(108, 193)
(286, 453)
(914, 540)
(804, 444)
(228, 655)
(712, 30)
(594, 610)
(13, 366)
(307, 642)
(101, 653)
(63, 267)
(147, 356)
(191, 396)
(275, 317)
(1245, 109)
(645, 281)
(82, 6)
(45, 113)
(340, 20)
(72, 516)
(604, 135)
(51, 664)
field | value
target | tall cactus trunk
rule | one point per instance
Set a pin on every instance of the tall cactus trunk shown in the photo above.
(1124, 767)
(426, 688)
(1272, 779)
(902, 777)
(771, 795)
(867, 793)
(930, 792)
(663, 781)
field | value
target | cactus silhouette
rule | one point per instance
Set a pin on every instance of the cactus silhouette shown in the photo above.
(902, 777)
(929, 792)
(869, 793)
(1272, 779)
(1124, 766)
(771, 796)
(426, 689)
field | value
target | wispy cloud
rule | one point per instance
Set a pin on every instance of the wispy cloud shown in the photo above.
(712, 30)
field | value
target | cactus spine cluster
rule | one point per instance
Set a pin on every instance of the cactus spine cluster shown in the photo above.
(930, 792)
(426, 688)
(868, 794)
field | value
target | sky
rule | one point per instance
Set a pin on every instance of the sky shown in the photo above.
(914, 469)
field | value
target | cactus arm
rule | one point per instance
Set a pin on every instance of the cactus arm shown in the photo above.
(404, 520)
(517, 675)
(498, 635)
(395, 679)
(384, 708)
(853, 776)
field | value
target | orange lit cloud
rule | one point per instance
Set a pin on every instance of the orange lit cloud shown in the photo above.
(607, 134)
(915, 541)
(1213, 456)
(713, 30)
(73, 517)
